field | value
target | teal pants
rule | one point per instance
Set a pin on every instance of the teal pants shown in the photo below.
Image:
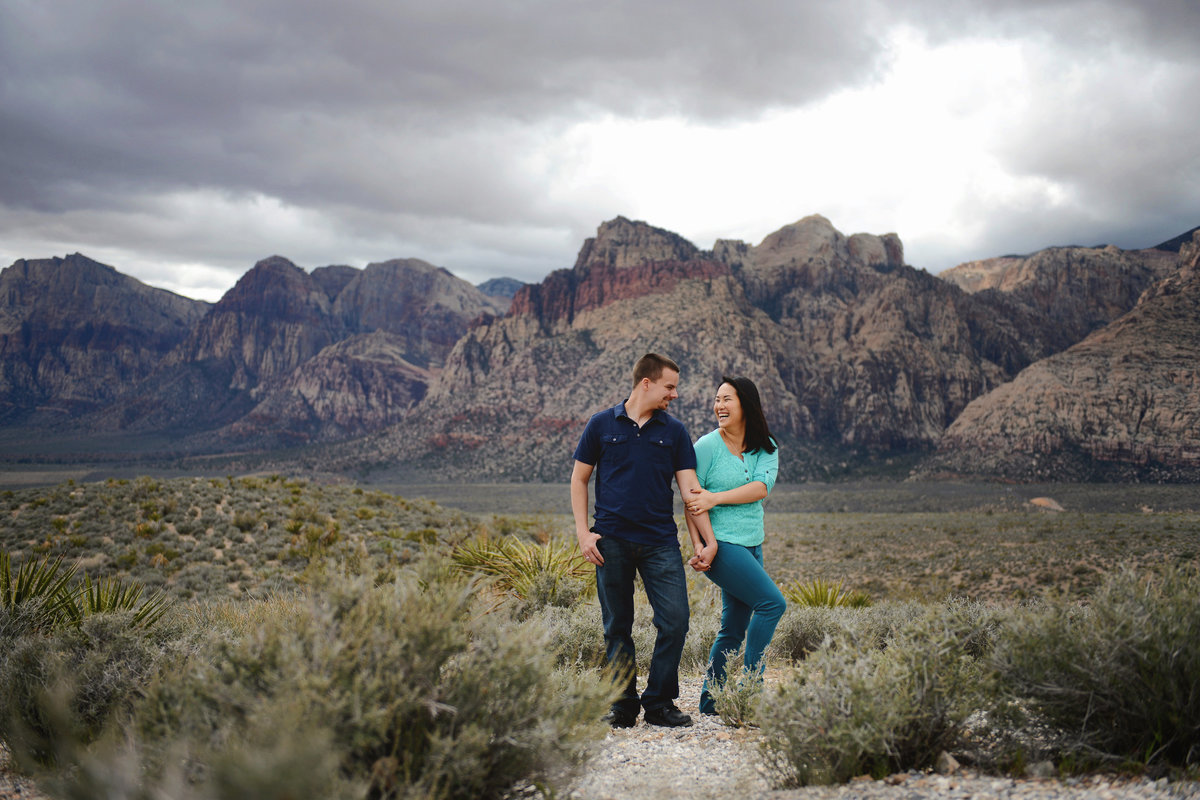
(751, 607)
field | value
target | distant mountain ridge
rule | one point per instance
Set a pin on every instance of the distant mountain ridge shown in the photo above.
(1124, 403)
(858, 355)
(74, 333)
(863, 360)
(285, 357)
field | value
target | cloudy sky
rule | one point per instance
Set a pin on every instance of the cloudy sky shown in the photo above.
(180, 142)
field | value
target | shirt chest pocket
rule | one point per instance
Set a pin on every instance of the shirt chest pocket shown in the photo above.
(659, 451)
(611, 441)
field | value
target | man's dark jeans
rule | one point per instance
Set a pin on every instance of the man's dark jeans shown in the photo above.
(661, 568)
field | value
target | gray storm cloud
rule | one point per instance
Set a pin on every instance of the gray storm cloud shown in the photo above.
(418, 125)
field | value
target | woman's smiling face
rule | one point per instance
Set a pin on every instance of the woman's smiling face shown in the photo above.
(727, 406)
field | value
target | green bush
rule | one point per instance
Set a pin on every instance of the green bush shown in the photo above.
(853, 711)
(737, 697)
(1118, 679)
(68, 685)
(415, 695)
(805, 629)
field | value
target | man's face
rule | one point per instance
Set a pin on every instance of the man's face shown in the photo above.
(662, 391)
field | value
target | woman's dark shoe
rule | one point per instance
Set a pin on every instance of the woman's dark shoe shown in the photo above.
(618, 718)
(668, 716)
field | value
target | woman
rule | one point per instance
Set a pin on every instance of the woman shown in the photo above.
(737, 464)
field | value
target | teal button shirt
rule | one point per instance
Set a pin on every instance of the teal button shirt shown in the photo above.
(719, 471)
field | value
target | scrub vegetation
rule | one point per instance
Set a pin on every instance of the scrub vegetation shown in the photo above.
(270, 637)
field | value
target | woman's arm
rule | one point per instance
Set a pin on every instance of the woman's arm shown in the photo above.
(700, 501)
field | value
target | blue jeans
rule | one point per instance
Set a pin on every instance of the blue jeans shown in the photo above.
(661, 568)
(751, 607)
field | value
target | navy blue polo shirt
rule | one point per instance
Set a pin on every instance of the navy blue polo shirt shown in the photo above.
(634, 469)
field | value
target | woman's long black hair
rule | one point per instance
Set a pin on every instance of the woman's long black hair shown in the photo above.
(758, 435)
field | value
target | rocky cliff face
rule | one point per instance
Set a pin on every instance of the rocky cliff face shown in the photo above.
(859, 356)
(358, 385)
(273, 320)
(424, 306)
(1124, 402)
(75, 333)
(1082, 288)
(854, 351)
(287, 356)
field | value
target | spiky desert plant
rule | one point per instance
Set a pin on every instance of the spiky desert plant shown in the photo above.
(553, 573)
(37, 592)
(820, 592)
(107, 596)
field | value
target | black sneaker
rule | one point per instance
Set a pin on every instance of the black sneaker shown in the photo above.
(620, 719)
(668, 716)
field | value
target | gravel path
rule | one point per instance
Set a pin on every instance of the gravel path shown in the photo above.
(708, 761)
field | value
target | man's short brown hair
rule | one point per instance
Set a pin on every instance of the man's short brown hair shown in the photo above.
(651, 366)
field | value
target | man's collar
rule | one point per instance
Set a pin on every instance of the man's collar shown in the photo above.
(657, 414)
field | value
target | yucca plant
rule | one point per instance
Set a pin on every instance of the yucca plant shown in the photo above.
(111, 595)
(522, 568)
(42, 592)
(38, 588)
(820, 592)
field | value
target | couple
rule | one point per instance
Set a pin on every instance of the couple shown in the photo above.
(635, 448)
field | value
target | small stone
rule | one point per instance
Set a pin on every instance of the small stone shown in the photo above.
(946, 764)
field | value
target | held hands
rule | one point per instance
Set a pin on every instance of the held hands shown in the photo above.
(702, 561)
(699, 502)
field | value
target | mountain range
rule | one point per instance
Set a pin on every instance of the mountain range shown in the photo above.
(1069, 363)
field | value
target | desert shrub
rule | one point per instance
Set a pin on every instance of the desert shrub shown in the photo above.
(738, 696)
(575, 635)
(246, 521)
(42, 595)
(804, 629)
(68, 685)
(1118, 679)
(852, 711)
(413, 694)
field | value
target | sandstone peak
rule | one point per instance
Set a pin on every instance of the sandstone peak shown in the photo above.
(814, 239)
(275, 287)
(624, 243)
(404, 295)
(75, 332)
(334, 278)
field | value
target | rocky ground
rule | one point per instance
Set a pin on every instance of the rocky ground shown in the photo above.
(709, 761)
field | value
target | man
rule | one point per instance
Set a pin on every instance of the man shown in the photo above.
(635, 448)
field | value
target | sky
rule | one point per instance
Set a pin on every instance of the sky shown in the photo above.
(182, 142)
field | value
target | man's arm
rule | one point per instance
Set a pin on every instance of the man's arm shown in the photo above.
(581, 473)
(700, 531)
